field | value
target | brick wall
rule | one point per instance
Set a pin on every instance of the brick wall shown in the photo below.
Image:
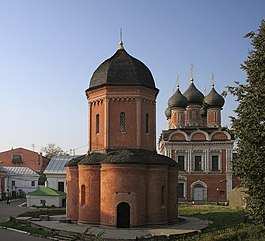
(30, 159)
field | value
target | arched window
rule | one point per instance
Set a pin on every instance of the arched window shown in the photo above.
(122, 122)
(163, 195)
(83, 194)
(97, 123)
(147, 123)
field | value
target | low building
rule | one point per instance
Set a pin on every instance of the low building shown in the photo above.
(20, 180)
(46, 197)
(56, 173)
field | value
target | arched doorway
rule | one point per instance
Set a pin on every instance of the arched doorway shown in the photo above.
(123, 215)
(198, 192)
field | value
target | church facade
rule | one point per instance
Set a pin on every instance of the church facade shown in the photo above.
(198, 143)
(122, 182)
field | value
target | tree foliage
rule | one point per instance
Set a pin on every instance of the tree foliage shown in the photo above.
(52, 150)
(249, 126)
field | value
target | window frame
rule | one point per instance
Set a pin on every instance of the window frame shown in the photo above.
(123, 122)
(163, 195)
(83, 195)
(147, 123)
(183, 160)
(14, 161)
(97, 123)
(216, 163)
(200, 162)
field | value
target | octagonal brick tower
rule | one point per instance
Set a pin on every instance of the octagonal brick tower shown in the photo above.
(122, 182)
(121, 99)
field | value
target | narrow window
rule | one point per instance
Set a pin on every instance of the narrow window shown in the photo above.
(198, 163)
(181, 163)
(215, 163)
(97, 123)
(61, 186)
(181, 190)
(83, 194)
(122, 122)
(215, 117)
(147, 123)
(163, 195)
(32, 183)
(13, 183)
(179, 117)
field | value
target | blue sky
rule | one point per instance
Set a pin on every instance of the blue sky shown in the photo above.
(49, 50)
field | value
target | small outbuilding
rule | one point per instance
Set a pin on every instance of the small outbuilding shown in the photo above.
(46, 197)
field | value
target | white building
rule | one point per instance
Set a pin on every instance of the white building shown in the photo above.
(47, 197)
(56, 173)
(19, 181)
(2, 182)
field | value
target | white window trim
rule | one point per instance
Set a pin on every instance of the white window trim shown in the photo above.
(184, 188)
(202, 155)
(185, 159)
(215, 153)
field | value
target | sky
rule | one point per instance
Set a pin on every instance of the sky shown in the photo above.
(49, 50)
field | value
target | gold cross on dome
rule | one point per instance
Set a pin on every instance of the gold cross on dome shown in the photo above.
(191, 72)
(121, 43)
(177, 81)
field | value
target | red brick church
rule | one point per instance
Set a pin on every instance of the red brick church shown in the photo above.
(122, 181)
(198, 143)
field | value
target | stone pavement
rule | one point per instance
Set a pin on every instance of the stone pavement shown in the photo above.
(190, 225)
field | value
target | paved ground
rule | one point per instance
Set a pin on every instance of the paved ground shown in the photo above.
(13, 209)
(191, 225)
(8, 235)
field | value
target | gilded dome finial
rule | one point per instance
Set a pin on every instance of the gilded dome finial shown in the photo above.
(191, 73)
(212, 80)
(120, 43)
(177, 81)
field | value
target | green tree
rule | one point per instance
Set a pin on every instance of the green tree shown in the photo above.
(249, 126)
(52, 150)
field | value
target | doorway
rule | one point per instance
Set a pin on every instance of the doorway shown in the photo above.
(198, 192)
(123, 215)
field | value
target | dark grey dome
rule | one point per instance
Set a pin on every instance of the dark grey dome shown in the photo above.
(168, 112)
(193, 95)
(178, 100)
(122, 69)
(213, 99)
